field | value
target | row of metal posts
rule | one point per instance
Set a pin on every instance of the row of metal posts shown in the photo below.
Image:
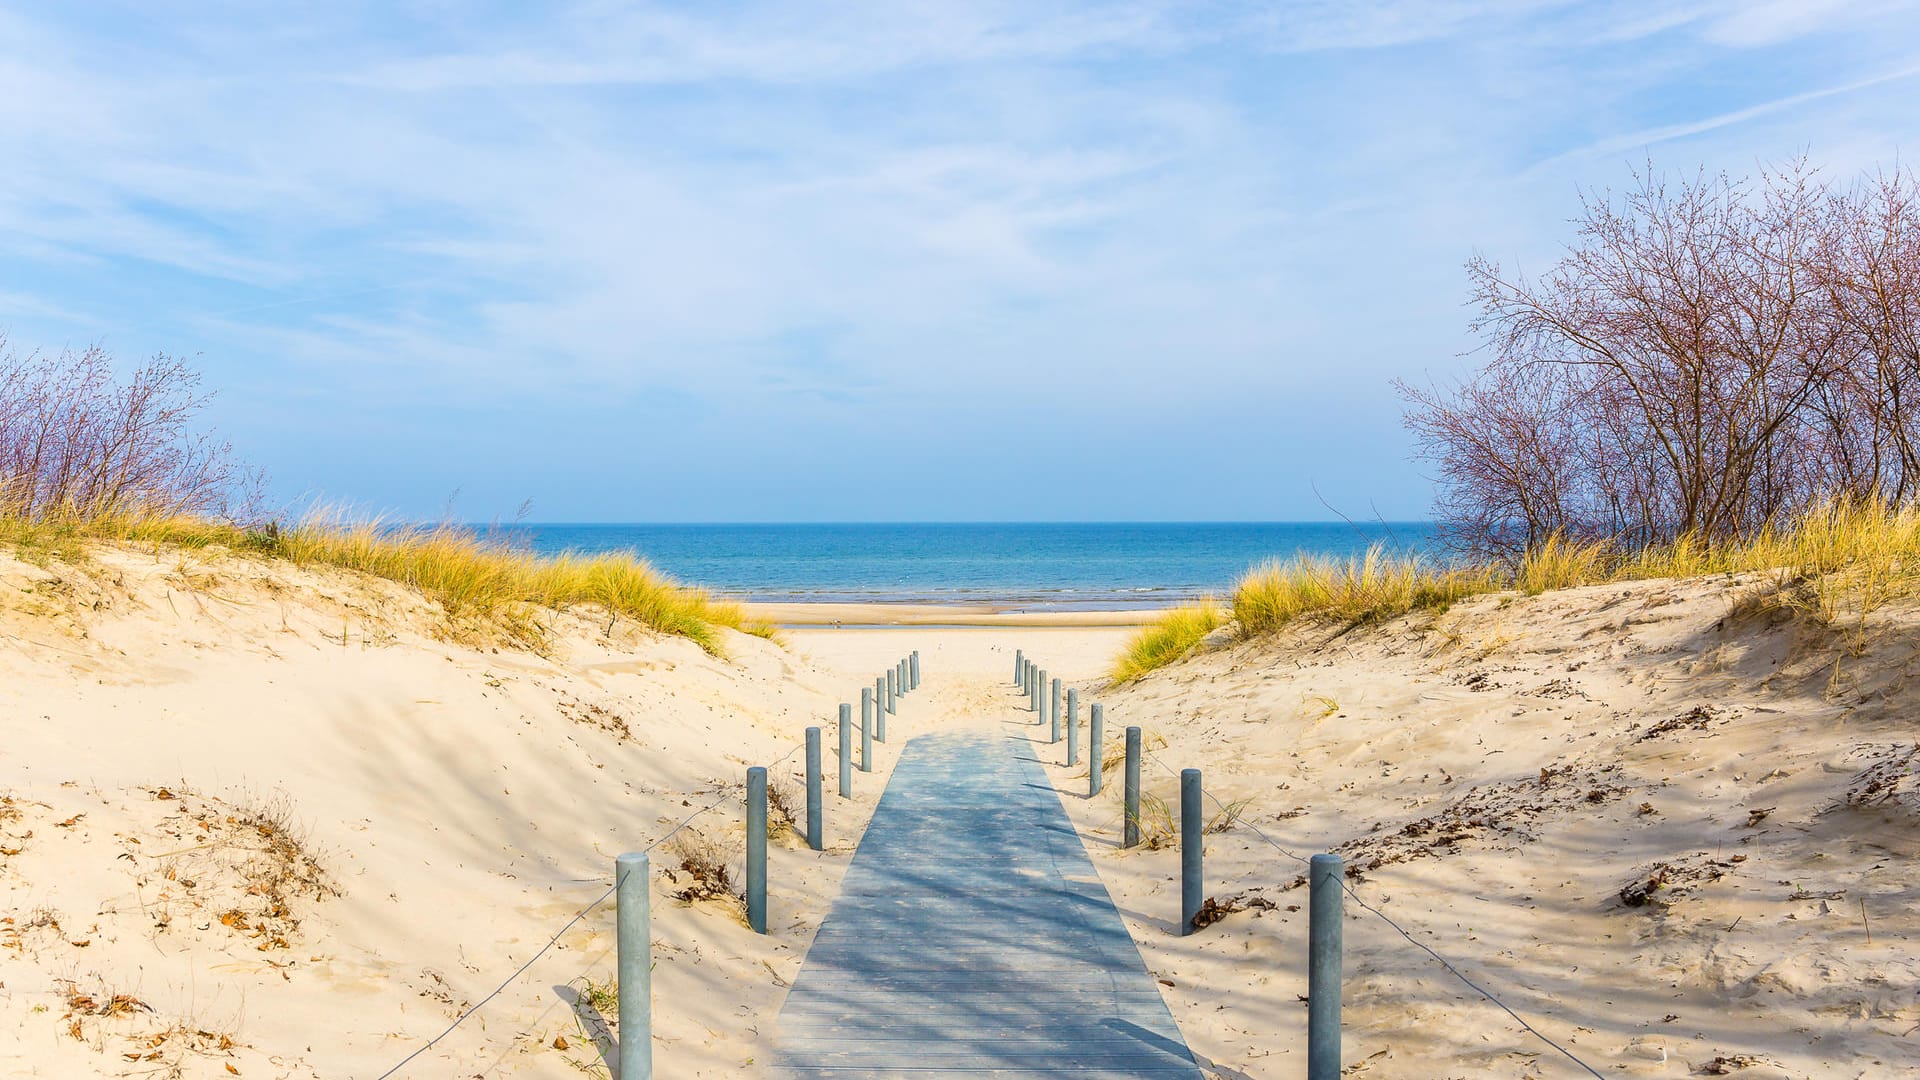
(1325, 876)
(633, 920)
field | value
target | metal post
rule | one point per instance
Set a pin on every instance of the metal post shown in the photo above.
(633, 966)
(1056, 712)
(892, 680)
(1191, 885)
(880, 709)
(1019, 666)
(1132, 790)
(902, 665)
(757, 849)
(913, 668)
(866, 729)
(1073, 727)
(1040, 696)
(846, 751)
(1096, 751)
(1325, 878)
(813, 788)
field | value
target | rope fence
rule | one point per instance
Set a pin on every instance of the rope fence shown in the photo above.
(1044, 695)
(724, 796)
(1034, 683)
(903, 677)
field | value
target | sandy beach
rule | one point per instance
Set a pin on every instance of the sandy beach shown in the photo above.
(865, 616)
(239, 796)
(448, 454)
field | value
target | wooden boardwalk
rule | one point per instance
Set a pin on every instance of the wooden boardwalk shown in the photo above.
(973, 938)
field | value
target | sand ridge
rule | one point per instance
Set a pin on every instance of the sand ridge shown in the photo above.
(460, 802)
(1662, 833)
(1677, 840)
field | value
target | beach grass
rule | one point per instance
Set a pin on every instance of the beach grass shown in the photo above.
(1167, 639)
(1837, 563)
(485, 586)
(1366, 589)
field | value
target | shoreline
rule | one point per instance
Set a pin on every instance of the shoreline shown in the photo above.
(846, 616)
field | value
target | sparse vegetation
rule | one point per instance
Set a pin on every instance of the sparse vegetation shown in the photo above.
(1832, 566)
(703, 873)
(1227, 816)
(488, 589)
(97, 1016)
(786, 809)
(1157, 826)
(246, 866)
(1116, 750)
(87, 458)
(596, 1017)
(1160, 824)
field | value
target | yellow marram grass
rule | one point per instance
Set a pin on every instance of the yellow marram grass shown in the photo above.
(1367, 589)
(482, 585)
(1167, 639)
(1843, 558)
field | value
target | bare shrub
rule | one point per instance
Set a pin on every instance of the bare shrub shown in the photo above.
(80, 442)
(704, 872)
(786, 808)
(248, 866)
(1710, 358)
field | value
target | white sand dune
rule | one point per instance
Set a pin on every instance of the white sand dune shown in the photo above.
(1497, 774)
(460, 804)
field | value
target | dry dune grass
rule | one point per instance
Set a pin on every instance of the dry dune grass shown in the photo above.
(1367, 589)
(488, 589)
(1167, 639)
(1840, 561)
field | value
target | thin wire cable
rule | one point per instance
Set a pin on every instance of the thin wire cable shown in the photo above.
(462, 1018)
(724, 796)
(1401, 930)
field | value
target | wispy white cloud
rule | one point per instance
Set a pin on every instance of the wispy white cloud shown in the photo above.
(649, 45)
(1769, 22)
(1650, 137)
(810, 221)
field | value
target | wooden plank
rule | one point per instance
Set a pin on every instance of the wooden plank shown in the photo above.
(972, 938)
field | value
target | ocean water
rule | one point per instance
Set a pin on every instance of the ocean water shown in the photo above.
(1081, 566)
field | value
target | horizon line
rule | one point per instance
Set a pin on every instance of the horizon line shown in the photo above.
(980, 522)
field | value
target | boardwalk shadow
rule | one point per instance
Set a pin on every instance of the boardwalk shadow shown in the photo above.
(1139, 1034)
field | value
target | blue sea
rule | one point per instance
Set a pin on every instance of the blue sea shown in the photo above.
(1056, 566)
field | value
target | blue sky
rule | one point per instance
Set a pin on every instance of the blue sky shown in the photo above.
(887, 261)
